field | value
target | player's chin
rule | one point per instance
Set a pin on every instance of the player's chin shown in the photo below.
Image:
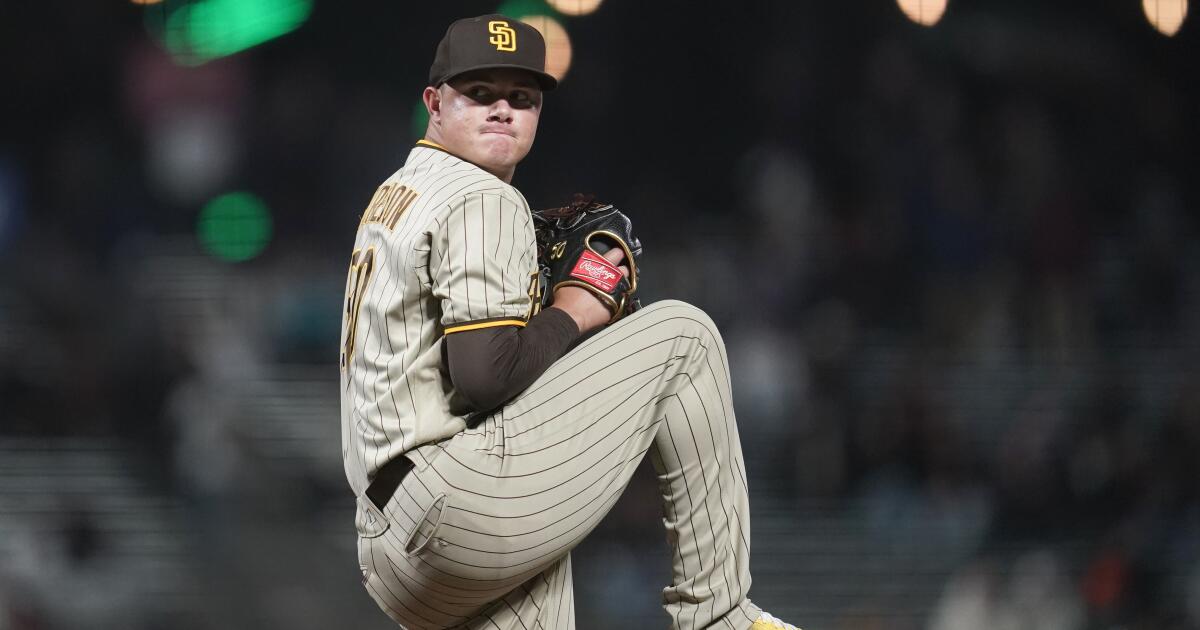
(505, 150)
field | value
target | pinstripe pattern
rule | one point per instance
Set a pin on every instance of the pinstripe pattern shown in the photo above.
(452, 246)
(479, 533)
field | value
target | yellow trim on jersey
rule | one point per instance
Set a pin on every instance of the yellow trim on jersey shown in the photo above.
(433, 144)
(502, 322)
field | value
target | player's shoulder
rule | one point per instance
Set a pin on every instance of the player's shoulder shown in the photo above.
(435, 172)
(448, 179)
(487, 193)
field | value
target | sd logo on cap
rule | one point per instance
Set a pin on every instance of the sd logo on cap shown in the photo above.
(503, 36)
(490, 41)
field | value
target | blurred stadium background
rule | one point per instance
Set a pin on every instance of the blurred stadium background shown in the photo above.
(955, 262)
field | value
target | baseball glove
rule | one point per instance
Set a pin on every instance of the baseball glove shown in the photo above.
(572, 241)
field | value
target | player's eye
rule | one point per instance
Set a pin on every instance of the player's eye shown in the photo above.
(521, 99)
(480, 93)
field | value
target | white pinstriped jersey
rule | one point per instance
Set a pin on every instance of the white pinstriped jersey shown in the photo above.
(443, 246)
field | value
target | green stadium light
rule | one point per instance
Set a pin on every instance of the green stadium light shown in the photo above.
(520, 8)
(198, 31)
(234, 227)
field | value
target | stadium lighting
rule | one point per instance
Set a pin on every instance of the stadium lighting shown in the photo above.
(558, 44)
(524, 7)
(575, 7)
(923, 12)
(1165, 15)
(198, 31)
(234, 227)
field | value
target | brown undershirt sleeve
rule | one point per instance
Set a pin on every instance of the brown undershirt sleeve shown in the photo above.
(491, 365)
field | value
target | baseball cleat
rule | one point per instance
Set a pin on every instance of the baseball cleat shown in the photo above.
(767, 621)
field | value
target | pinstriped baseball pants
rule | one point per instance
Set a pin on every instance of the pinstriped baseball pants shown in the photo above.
(479, 534)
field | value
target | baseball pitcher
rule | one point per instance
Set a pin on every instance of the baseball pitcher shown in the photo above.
(500, 384)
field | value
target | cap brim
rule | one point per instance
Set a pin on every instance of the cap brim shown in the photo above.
(545, 81)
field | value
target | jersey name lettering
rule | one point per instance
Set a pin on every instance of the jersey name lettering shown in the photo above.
(389, 202)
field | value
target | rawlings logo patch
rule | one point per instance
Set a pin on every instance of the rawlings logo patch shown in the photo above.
(596, 271)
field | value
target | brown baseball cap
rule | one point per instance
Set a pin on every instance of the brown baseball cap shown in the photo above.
(490, 41)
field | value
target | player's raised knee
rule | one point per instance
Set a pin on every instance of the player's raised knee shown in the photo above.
(688, 317)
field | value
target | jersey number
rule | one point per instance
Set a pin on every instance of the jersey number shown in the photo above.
(362, 263)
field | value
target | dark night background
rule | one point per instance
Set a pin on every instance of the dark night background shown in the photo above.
(955, 267)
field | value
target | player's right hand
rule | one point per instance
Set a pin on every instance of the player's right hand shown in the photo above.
(582, 305)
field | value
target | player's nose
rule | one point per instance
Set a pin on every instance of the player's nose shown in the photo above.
(500, 111)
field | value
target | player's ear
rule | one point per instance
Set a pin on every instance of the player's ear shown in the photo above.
(433, 102)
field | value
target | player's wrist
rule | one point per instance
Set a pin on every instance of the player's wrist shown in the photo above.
(579, 323)
(585, 309)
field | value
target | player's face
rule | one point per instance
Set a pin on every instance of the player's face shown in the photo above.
(489, 117)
